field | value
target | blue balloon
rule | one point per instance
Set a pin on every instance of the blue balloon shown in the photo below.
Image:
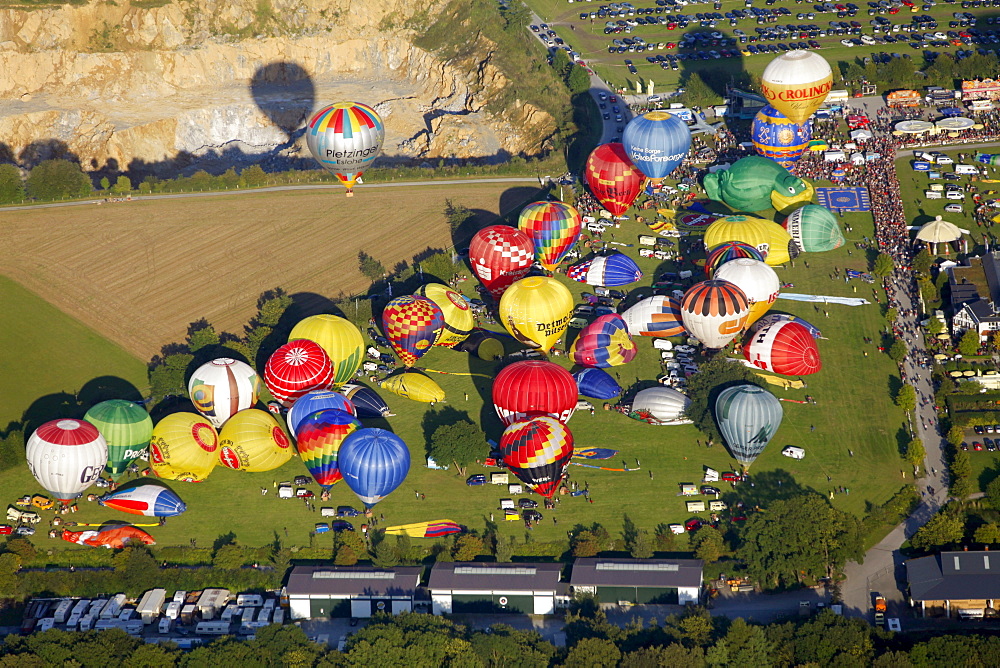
(779, 138)
(612, 271)
(313, 402)
(656, 142)
(596, 383)
(366, 400)
(373, 463)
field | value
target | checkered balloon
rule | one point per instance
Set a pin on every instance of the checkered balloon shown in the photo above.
(537, 451)
(412, 324)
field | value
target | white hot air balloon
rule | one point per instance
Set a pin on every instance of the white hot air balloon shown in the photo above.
(758, 281)
(66, 457)
(221, 388)
(665, 405)
(714, 312)
(796, 83)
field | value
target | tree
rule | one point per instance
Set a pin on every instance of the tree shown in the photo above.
(439, 264)
(167, 375)
(898, 351)
(943, 529)
(253, 175)
(968, 345)
(586, 543)
(988, 533)
(561, 63)
(992, 495)
(664, 539)
(386, 555)
(10, 564)
(704, 386)
(516, 15)
(642, 545)
(891, 314)
(467, 547)
(201, 334)
(11, 184)
(674, 655)
(709, 544)
(883, 265)
(915, 452)
(458, 443)
(906, 398)
(22, 547)
(578, 80)
(697, 92)
(348, 548)
(456, 214)
(831, 640)
(105, 183)
(369, 267)
(743, 645)
(135, 569)
(55, 179)
(123, 185)
(961, 474)
(593, 653)
(956, 434)
(935, 327)
(502, 645)
(229, 557)
(922, 262)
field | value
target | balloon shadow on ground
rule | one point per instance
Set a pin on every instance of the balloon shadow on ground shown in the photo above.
(52, 407)
(285, 93)
(307, 304)
(762, 489)
(107, 387)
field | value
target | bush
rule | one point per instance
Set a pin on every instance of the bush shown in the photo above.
(56, 179)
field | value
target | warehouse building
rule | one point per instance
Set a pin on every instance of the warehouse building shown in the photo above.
(676, 581)
(955, 584)
(525, 588)
(351, 591)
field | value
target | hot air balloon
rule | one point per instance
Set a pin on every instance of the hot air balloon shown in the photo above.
(112, 536)
(777, 137)
(796, 83)
(536, 311)
(771, 239)
(374, 462)
(610, 271)
(748, 416)
(604, 343)
(537, 451)
(319, 440)
(714, 312)
(553, 227)
(483, 344)
(220, 388)
(127, 428)
(772, 318)
(752, 183)
(184, 447)
(500, 255)
(367, 402)
(654, 316)
(656, 142)
(340, 339)
(66, 456)
(661, 404)
(415, 386)
(345, 138)
(758, 281)
(596, 383)
(147, 497)
(814, 229)
(611, 176)
(729, 250)
(786, 202)
(412, 325)
(532, 388)
(253, 441)
(316, 400)
(296, 368)
(459, 320)
(784, 347)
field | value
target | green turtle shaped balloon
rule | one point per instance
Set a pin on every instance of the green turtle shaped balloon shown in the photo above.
(749, 184)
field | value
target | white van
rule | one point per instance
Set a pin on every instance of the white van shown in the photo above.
(941, 159)
(663, 344)
(932, 194)
(794, 452)
(955, 194)
(965, 169)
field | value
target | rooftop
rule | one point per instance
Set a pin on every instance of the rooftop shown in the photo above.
(596, 571)
(954, 575)
(354, 580)
(509, 577)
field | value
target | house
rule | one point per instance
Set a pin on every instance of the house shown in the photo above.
(526, 588)
(955, 584)
(975, 296)
(638, 580)
(351, 591)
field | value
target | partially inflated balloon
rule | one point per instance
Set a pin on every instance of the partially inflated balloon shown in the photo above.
(654, 316)
(534, 387)
(253, 441)
(537, 451)
(714, 312)
(316, 400)
(772, 318)
(415, 386)
(148, 497)
(614, 180)
(111, 536)
(222, 387)
(367, 402)
(656, 142)
(796, 83)
(553, 227)
(374, 462)
(758, 281)
(500, 255)
(604, 343)
(612, 271)
(184, 447)
(814, 229)
(66, 456)
(341, 340)
(661, 404)
(412, 324)
(596, 383)
(319, 439)
(126, 427)
(771, 239)
(748, 417)
(345, 138)
(729, 250)
(779, 138)
(296, 368)
(536, 311)
(458, 317)
(784, 347)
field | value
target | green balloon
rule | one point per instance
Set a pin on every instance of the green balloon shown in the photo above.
(127, 428)
(748, 184)
(814, 228)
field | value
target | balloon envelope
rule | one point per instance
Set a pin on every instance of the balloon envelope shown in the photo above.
(611, 176)
(596, 383)
(296, 368)
(319, 440)
(534, 387)
(314, 401)
(796, 83)
(758, 281)
(345, 138)
(656, 142)
(111, 536)
(784, 347)
(412, 324)
(367, 402)
(714, 312)
(147, 497)
(814, 229)
(415, 386)
(222, 387)
(748, 416)
(779, 138)
(662, 404)
(654, 316)
(184, 447)
(769, 238)
(536, 311)
(611, 271)
(500, 255)
(458, 317)
(374, 462)
(537, 451)
(66, 456)
(126, 427)
(729, 250)
(604, 343)
(340, 339)
(553, 228)
(772, 318)
(252, 440)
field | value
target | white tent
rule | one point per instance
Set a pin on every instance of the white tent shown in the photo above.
(939, 231)
(861, 135)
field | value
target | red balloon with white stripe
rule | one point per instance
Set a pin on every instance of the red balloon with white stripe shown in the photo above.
(786, 347)
(500, 255)
(534, 387)
(296, 368)
(66, 457)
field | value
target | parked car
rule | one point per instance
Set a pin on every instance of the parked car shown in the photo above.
(476, 479)
(304, 493)
(708, 489)
(341, 525)
(527, 503)
(347, 511)
(531, 515)
(979, 429)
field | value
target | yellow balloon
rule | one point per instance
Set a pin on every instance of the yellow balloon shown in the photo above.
(785, 204)
(415, 386)
(796, 83)
(253, 441)
(459, 320)
(341, 340)
(536, 311)
(767, 236)
(184, 447)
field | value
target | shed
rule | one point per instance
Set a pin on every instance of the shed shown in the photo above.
(522, 588)
(351, 591)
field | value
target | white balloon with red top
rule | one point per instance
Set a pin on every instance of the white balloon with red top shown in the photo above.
(66, 457)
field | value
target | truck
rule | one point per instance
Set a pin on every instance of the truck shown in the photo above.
(880, 607)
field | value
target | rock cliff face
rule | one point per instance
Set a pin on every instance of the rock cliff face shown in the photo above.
(210, 83)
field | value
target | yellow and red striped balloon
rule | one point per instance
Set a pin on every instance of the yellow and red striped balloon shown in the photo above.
(345, 138)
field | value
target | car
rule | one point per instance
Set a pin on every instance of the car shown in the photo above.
(527, 503)
(708, 489)
(6, 530)
(347, 511)
(341, 525)
(607, 117)
(731, 476)
(977, 446)
(102, 482)
(965, 446)
(693, 524)
(531, 515)
(979, 429)
(534, 28)
(24, 531)
(304, 493)
(476, 479)
(302, 480)
(990, 429)
(953, 208)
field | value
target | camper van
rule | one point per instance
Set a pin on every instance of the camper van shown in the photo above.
(166, 624)
(696, 506)
(794, 452)
(965, 169)
(215, 628)
(932, 194)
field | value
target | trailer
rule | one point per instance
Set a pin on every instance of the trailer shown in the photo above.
(248, 615)
(232, 610)
(187, 613)
(179, 596)
(80, 607)
(151, 605)
(279, 617)
(264, 615)
(45, 624)
(63, 611)
(73, 622)
(245, 600)
(113, 606)
(211, 601)
(173, 610)
(216, 628)
(87, 623)
(166, 625)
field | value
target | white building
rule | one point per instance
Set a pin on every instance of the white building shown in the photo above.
(525, 588)
(351, 591)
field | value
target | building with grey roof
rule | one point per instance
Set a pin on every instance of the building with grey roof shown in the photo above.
(638, 580)
(527, 588)
(963, 584)
(351, 591)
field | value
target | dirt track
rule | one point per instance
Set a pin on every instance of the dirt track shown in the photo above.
(139, 272)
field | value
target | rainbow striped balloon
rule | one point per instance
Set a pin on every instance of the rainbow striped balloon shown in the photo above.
(319, 439)
(554, 227)
(345, 138)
